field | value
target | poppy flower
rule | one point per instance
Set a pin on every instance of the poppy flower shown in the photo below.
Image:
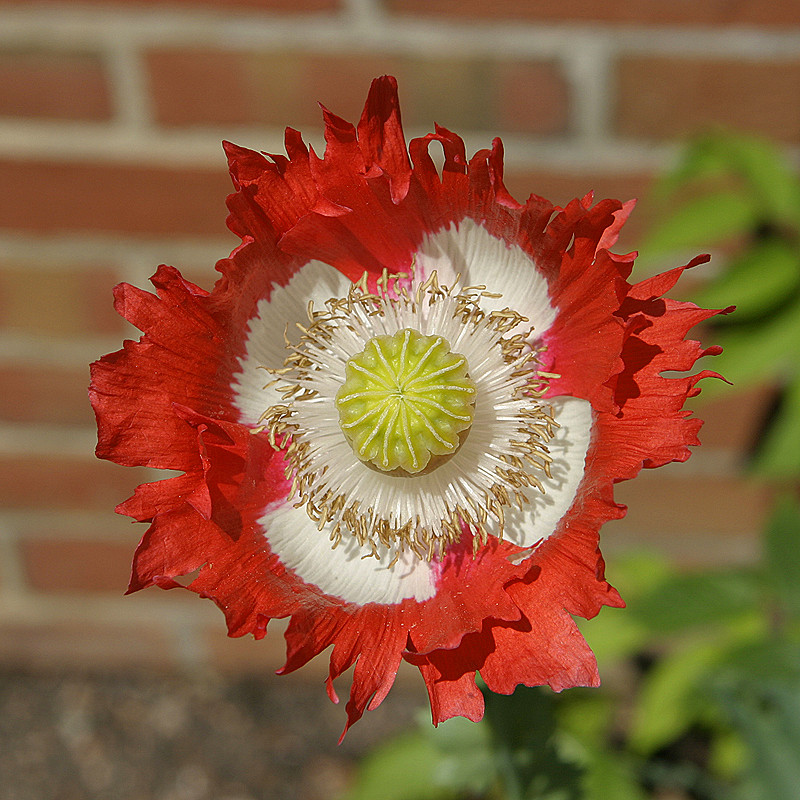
(398, 417)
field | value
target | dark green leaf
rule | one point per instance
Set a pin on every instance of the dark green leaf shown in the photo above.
(432, 764)
(768, 717)
(773, 660)
(699, 223)
(756, 281)
(387, 772)
(778, 454)
(698, 599)
(759, 351)
(522, 729)
(670, 701)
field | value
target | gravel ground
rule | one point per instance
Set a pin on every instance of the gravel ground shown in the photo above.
(149, 736)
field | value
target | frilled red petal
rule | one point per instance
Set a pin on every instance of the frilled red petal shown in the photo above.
(177, 361)
(450, 680)
(380, 136)
(586, 286)
(177, 543)
(652, 427)
(518, 657)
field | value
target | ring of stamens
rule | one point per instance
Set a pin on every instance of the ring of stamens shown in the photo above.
(502, 460)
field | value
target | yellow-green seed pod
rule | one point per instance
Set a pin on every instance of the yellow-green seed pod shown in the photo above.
(406, 397)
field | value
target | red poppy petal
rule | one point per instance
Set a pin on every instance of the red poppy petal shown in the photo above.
(380, 135)
(180, 353)
(518, 657)
(470, 589)
(451, 686)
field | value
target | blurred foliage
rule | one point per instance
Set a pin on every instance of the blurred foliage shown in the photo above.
(701, 694)
(738, 194)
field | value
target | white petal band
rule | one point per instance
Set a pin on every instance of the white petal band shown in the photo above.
(349, 571)
(345, 572)
(467, 249)
(265, 347)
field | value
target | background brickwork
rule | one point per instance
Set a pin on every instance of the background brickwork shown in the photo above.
(111, 116)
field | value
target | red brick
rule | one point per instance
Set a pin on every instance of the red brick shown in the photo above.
(678, 12)
(66, 197)
(532, 97)
(734, 420)
(84, 645)
(59, 482)
(208, 86)
(53, 84)
(270, 6)
(463, 94)
(199, 86)
(77, 300)
(54, 566)
(662, 504)
(44, 394)
(661, 98)
(341, 83)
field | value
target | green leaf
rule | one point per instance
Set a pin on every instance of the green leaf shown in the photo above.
(728, 753)
(670, 700)
(701, 222)
(522, 729)
(432, 764)
(758, 351)
(782, 542)
(466, 762)
(767, 660)
(702, 158)
(613, 635)
(778, 454)
(768, 717)
(768, 174)
(611, 775)
(385, 772)
(756, 281)
(585, 718)
(636, 574)
(586, 715)
(697, 599)
(757, 164)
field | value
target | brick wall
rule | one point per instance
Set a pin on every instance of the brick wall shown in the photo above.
(111, 114)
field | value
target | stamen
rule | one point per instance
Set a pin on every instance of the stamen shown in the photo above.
(394, 381)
